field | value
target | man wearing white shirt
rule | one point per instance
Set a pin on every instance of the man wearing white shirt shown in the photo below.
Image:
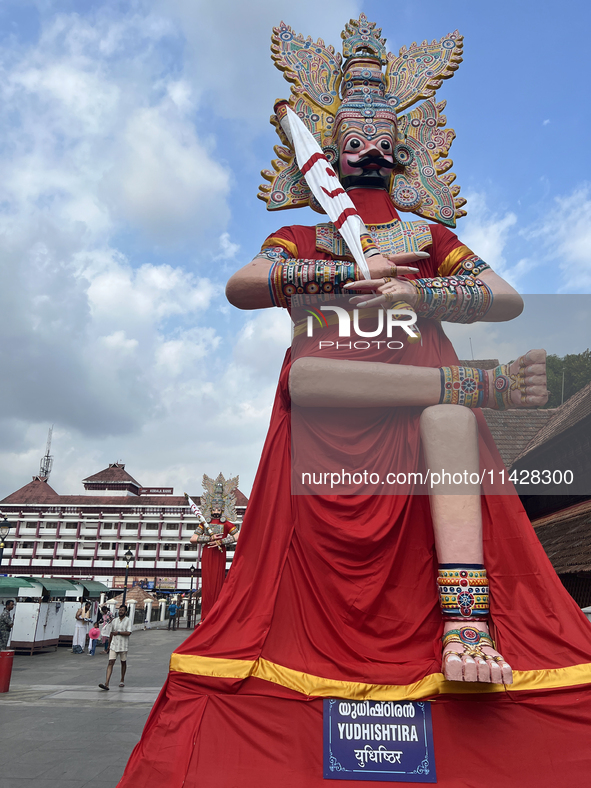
(118, 646)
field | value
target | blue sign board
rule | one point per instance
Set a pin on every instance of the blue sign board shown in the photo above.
(378, 740)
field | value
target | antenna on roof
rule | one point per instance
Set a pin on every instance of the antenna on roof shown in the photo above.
(46, 461)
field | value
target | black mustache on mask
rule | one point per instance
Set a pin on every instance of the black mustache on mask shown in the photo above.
(362, 163)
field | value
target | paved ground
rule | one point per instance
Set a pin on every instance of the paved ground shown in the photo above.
(59, 730)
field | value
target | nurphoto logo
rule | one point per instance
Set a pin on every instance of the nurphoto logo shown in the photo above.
(386, 318)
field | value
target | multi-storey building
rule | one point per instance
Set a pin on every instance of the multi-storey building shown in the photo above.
(88, 535)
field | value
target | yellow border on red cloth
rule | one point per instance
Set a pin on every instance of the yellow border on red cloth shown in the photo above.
(318, 686)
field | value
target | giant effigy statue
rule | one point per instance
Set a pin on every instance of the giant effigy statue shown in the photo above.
(446, 596)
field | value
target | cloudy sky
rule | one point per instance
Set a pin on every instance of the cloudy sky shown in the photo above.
(131, 139)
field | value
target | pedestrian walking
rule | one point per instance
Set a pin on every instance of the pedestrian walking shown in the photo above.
(6, 624)
(83, 620)
(105, 625)
(172, 615)
(118, 646)
(93, 637)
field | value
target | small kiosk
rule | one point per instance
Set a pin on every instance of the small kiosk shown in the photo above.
(38, 613)
(12, 588)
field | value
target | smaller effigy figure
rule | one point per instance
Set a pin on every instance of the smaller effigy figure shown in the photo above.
(218, 530)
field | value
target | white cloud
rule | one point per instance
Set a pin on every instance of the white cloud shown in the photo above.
(102, 137)
(229, 47)
(207, 416)
(487, 233)
(97, 139)
(162, 179)
(228, 248)
(572, 235)
(146, 295)
(261, 345)
(175, 356)
(485, 230)
(564, 238)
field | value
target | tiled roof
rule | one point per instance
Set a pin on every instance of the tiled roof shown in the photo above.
(566, 538)
(114, 473)
(140, 595)
(570, 413)
(513, 430)
(37, 491)
(241, 499)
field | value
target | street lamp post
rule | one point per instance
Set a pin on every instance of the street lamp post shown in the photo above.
(128, 556)
(190, 616)
(4, 529)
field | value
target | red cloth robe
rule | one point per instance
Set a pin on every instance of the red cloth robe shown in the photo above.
(213, 572)
(310, 610)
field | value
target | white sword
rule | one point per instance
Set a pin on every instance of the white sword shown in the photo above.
(324, 183)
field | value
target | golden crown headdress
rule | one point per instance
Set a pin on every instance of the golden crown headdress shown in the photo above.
(324, 94)
(219, 495)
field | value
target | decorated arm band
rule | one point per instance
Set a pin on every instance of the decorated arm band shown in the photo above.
(456, 299)
(275, 254)
(462, 261)
(311, 277)
(471, 266)
(200, 534)
(368, 245)
(466, 386)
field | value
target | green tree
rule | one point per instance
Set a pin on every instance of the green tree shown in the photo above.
(577, 373)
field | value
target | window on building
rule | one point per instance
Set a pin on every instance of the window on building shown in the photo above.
(107, 526)
(151, 526)
(48, 545)
(106, 546)
(68, 545)
(131, 526)
(169, 546)
(128, 547)
(190, 547)
(30, 525)
(149, 546)
(172, 527)
(49, 524)
(27, 545)
(72, 526)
